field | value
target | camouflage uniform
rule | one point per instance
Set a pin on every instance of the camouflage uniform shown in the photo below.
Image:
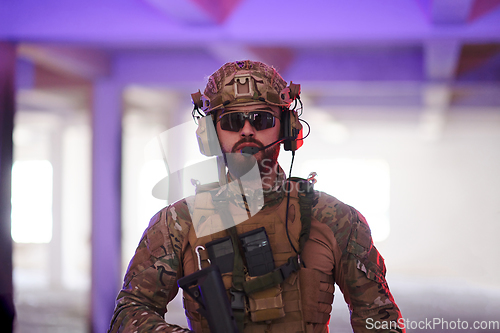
(339, 246)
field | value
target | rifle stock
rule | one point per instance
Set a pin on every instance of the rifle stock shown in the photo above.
(207, 289)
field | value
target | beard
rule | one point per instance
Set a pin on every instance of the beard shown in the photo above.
(269, 160)
(240, 164)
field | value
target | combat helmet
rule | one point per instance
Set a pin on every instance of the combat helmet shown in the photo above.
(245, 82)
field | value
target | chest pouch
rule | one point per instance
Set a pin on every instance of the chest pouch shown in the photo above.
(266, 304)
(257, 251)
(221, 253)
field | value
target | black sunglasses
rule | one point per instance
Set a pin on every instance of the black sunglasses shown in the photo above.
(235, 121)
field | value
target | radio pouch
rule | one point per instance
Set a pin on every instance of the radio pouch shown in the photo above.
(221, 253)
(265, 304)
(257, 251)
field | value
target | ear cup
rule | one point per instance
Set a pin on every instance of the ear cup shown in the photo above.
(208, 140)
(291, 129)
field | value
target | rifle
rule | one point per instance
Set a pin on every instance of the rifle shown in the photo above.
(207, 289)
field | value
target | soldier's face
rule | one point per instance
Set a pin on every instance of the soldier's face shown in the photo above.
(235, 131)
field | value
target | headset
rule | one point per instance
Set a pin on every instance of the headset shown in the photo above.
(208, 141)
(291, 129)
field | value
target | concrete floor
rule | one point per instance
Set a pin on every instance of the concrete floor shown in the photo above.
(428, 299)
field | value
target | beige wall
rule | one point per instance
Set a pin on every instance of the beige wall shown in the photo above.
(445, 192)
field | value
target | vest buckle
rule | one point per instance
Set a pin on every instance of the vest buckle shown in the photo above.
(291, 266)
(237, 299)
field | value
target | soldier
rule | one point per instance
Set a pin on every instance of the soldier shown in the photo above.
(307, 241)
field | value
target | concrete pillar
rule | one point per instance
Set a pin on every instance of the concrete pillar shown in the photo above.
(106, 202)
(7, 105)
(56, 249)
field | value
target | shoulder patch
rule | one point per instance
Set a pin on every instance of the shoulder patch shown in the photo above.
(156, 243)
(336, 215)
(360, 240)
(364, 233)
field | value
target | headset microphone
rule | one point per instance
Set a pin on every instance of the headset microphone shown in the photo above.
(255, 150)
(250, 150)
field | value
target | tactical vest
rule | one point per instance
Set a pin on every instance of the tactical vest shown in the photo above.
(284, 303)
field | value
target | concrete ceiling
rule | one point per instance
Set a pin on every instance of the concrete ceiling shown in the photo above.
(381, 52)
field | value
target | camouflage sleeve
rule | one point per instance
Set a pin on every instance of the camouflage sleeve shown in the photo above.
(360, 272)
(365, 288)
(150, 281)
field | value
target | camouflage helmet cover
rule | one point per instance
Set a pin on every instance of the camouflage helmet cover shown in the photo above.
(245, 82)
